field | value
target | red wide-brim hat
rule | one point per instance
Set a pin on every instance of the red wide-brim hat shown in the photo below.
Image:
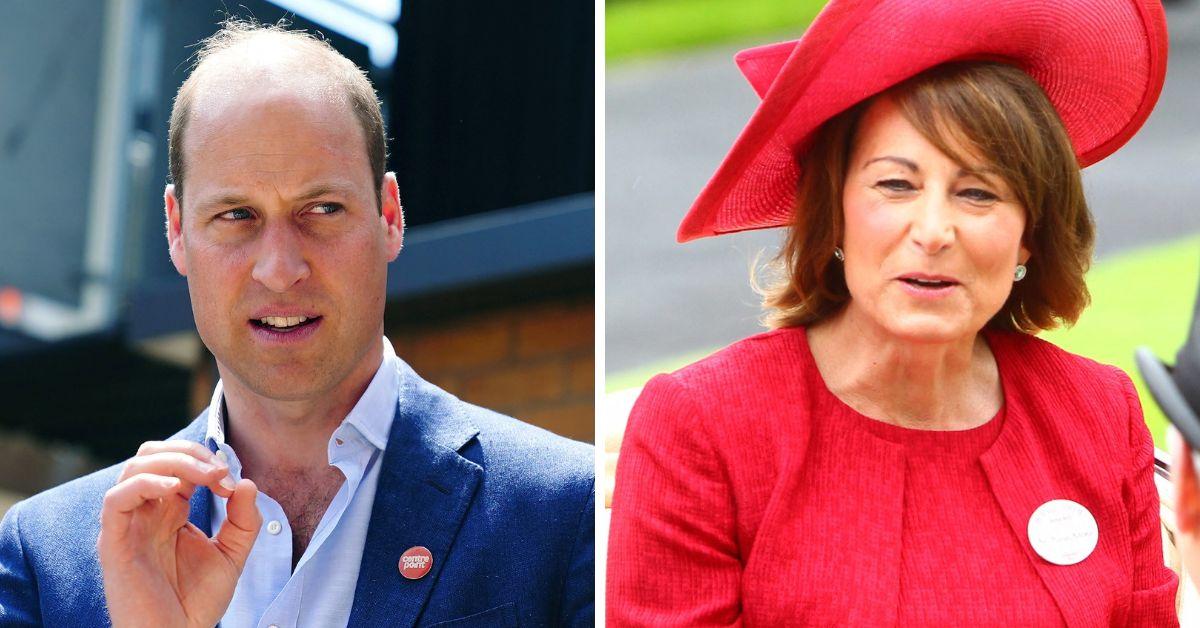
(1101, 62)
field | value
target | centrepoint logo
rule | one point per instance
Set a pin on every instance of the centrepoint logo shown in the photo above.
(416, 562)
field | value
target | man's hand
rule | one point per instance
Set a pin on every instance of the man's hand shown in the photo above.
(1187, 505)
(159, 569)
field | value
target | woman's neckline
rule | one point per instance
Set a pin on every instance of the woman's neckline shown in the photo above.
(972, 440)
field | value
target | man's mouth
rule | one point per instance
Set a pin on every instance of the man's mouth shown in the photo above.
(284, 323)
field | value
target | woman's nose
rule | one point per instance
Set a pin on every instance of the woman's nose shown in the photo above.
(932, 226)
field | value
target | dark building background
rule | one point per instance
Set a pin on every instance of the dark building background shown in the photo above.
(494, 105)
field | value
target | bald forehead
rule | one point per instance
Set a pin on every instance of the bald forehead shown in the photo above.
(260, 86)
(269, 83)
(217, 99)
(269, 62)
(271, 70)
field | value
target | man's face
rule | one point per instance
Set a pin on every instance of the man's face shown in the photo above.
(281, 240)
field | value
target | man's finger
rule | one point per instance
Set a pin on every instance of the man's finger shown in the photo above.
(192, 448)
(184, 467)
(242, 522)
(127, 496)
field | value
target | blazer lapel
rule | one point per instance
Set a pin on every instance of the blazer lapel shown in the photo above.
(1020, 487)
(199, 512)
(1025, 469)
(425, 489)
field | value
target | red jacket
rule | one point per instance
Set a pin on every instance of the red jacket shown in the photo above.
(725, 512)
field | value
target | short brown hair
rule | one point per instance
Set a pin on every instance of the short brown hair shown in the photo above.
(339, 70)
(993, 110)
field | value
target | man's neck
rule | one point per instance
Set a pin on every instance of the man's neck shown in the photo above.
(273, 436)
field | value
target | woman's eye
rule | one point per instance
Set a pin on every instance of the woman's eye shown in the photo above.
(895, 185)
(326, 208)
(977, 195)
(240, 213)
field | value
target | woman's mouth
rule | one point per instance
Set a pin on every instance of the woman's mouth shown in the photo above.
(928, 283)
(927, 286)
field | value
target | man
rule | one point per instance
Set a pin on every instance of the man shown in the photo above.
(1176, 390)
(1187, 506)
(340, 486)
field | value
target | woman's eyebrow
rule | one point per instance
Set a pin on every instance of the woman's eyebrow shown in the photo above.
(982, 173)
(907, 163)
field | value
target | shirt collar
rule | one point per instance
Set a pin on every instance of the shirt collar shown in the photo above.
(370, 417)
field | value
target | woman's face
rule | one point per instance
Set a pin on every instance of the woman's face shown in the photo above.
(930, 244)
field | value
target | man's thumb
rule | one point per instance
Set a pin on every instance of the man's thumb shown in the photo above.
(242, 521)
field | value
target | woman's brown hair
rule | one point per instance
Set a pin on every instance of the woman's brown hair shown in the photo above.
(967, 109)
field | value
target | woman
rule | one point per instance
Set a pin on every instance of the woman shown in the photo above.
(901, 450)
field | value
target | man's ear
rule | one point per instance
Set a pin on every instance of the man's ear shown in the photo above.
(175, 230)
(392, 214)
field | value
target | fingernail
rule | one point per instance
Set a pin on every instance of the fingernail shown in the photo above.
(228, 483)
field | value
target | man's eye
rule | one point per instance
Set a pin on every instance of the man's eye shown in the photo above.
(240, 213)
(977, 195)
(326, 208)
(895, 185)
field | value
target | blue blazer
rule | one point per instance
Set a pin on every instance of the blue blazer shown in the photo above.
(505, 508)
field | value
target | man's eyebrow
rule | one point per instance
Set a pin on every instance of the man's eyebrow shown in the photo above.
(225, 200)
(325, 190)
(907, 163)
(234, 199)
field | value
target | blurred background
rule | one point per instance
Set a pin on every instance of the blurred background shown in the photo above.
(490, 117)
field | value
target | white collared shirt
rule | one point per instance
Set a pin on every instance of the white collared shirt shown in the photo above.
(320, 591)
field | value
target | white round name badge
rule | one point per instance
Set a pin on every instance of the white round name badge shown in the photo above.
(1063, 532)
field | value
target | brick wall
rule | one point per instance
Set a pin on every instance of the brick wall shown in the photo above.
(532, 361)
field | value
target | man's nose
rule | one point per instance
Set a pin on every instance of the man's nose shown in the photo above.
(280, 263)
(932, 227)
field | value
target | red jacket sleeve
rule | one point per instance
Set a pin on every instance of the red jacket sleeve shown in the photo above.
(673, 558)
(1154, 584)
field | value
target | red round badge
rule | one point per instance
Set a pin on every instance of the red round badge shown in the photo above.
(415, 562)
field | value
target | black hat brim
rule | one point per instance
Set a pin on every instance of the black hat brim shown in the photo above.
(1166, 393)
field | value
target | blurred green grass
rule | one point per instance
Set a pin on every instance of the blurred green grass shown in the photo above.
(635, 28)
(1141, 297)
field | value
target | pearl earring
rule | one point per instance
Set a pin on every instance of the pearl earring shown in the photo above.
(837, 252)
(1020, 273)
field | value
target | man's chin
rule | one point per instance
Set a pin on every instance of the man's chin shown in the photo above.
(285, 382)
